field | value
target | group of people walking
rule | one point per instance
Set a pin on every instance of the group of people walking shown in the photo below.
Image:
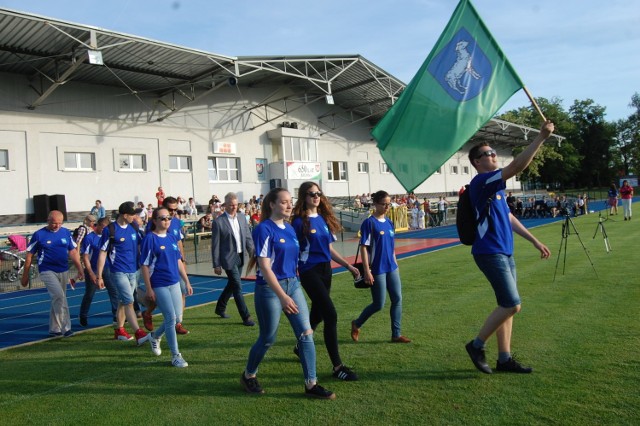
(291, 249)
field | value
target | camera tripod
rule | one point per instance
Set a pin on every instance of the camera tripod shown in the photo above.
(600, 227)
(566, 231)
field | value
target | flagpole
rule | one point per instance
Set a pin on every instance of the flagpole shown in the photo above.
(534, 103)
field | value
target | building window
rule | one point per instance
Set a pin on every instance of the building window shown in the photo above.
(337, 170)
(133, 162)
(384, 168)
(4, 159)
(438, 171)
(79, 161)
(465, 170)
(363, 167)
(300, 149)
(179, 163)
(454, 170)
(224, 169)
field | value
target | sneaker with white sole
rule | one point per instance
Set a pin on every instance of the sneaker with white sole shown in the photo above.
(155, 345)
(141, 336)
(121, 334)
(178, 361)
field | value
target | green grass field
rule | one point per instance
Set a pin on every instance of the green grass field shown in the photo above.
(581, 334)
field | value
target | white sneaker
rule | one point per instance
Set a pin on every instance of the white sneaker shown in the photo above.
(178, 361)
(155, 345)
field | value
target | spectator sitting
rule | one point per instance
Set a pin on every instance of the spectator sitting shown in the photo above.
(204, 224)
(357, 204)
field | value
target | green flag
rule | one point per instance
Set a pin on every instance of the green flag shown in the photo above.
(462, 84)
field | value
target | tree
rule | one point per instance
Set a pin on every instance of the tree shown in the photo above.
(626, 149)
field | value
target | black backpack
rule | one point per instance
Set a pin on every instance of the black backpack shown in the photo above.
(466, 219)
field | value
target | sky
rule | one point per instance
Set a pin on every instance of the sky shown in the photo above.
(568, 49)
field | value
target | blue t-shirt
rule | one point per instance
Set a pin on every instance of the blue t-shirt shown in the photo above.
(495, 235)
(124, 253)
(278, 244)
(52, 249)
(91, 246)
(378, 235)
(161, 254)
(314, 247)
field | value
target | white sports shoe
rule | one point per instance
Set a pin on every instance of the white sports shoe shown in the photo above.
(155, 345)
(178, 361)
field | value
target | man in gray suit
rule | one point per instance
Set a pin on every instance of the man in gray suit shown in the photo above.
(231, 244)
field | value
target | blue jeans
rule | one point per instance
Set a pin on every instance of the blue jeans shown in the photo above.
(500, 270)
(112, 291)
(125, 283)
(268, 309)
(233, 287)
(381, 284)
(169, 300)
(89, 291)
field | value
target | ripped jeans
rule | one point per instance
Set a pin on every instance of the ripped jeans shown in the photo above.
(268, 309)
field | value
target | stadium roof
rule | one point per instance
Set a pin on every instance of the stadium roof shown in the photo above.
(52, 52)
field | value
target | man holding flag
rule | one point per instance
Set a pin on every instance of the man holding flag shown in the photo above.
(463, 82)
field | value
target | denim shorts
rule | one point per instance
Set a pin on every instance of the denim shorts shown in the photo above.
(500, 270)
(125, 283)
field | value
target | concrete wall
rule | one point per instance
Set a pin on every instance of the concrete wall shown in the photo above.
(108, 121)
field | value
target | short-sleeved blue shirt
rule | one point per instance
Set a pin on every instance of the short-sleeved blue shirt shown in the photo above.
(379, 237)
(91, 246)
(124, 253)
(279, 244)
(161, 254)
(52, 249)
(495, 235)
(314, 247)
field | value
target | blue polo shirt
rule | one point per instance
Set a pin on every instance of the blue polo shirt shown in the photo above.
(280, 244)
(315, 246)
(379, 237)
(161, 254)
(124, 253)
(494, 235)
(51, 249)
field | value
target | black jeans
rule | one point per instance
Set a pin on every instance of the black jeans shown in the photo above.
(317, 283)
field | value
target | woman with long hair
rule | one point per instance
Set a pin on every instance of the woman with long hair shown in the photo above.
(316, 227)
(377, 249)
(278, 289)
(626, 194)
(161, 270)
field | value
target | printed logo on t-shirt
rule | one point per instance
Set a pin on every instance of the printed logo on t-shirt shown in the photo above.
(498, 197)
(282, 240)
(313, 231)
(175, 247)
(122, 239)
(133, 236)
(161, 247)
(64, 240)
(381, 232)
(49, 242)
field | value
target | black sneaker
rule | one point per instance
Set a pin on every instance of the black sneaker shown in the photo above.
(513, 366)
(318, 391)
(345, 373)
(251, 385)
(296, 351)
(478, 358)
(82, 321)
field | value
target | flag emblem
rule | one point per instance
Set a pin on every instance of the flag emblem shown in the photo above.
(461, 67)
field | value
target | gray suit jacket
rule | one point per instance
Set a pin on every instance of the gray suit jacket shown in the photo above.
(224, 252)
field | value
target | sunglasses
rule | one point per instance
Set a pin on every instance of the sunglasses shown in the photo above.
(487, 153)
(314, 194)
(164, 218)
(172, 210)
